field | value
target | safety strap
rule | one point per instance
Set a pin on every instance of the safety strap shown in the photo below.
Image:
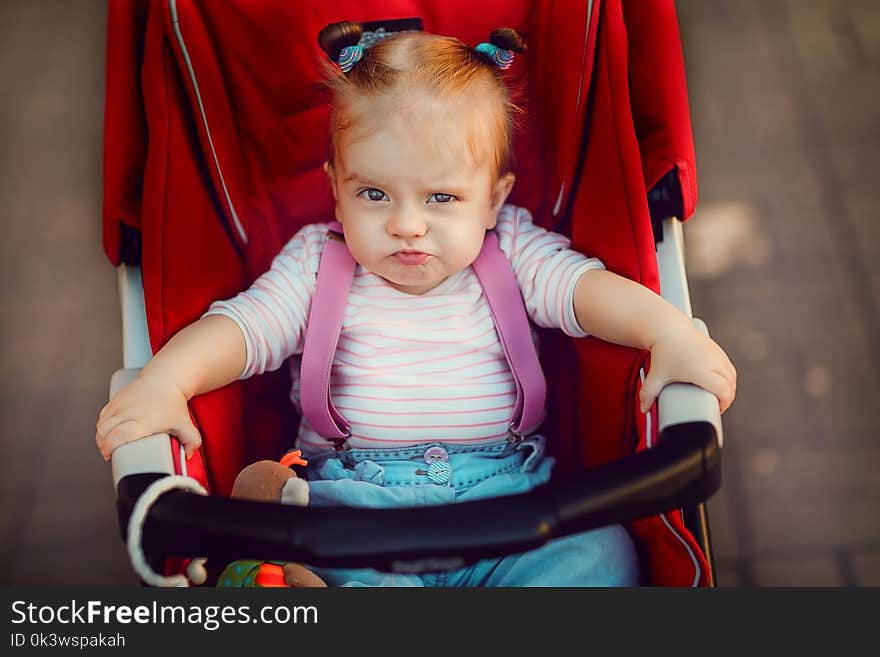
(496, 275)
(335, 275)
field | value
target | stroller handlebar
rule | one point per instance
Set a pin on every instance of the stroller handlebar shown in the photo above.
(685, 403)
(683, 468)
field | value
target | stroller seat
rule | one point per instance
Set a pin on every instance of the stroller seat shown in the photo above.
(215, 136)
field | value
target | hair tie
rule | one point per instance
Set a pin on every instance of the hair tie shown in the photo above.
(500, 57)
(349, 56)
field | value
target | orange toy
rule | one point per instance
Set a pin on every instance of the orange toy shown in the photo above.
(271, 481)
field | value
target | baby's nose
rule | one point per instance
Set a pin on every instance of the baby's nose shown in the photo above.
(407, 223)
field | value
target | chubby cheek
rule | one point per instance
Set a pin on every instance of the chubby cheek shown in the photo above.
(462, 247)
(362, 248)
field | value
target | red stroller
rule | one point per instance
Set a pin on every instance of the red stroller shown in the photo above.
(215, 122)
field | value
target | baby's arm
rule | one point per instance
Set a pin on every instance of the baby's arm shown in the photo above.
(618, 310)
(207, 354)
(250, 334)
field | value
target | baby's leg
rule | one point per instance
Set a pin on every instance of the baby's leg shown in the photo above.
(356, 577)
(350, 492)
(601, 557)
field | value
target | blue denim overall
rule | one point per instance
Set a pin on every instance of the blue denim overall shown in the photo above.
(438, 473)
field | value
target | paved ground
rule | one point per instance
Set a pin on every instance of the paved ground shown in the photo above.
(782, 257)
(783, 264)
(58, 302)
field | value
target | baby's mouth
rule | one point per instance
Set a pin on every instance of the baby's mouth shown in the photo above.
(411, 257)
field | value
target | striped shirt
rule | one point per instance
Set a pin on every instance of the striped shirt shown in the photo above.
(410, 368)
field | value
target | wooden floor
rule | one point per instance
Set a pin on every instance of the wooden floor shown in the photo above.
(782, 257)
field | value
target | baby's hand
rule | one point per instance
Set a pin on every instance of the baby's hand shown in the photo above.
(682, 353)
(146, 406)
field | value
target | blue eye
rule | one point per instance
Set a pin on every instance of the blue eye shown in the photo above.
(373, 194)
(440, 198)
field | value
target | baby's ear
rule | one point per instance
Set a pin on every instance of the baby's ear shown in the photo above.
(502, 190)
(328, 169)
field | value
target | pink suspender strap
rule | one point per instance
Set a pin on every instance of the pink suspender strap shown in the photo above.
(335, 275)
(506, 304)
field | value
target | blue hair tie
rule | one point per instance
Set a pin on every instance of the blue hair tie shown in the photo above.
(349, 56)
(500, 57)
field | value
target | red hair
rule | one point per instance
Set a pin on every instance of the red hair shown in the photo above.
(413, 66)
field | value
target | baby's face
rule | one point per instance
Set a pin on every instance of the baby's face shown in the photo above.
(414, 206)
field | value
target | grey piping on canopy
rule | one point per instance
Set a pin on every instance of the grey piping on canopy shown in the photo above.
(172, 5)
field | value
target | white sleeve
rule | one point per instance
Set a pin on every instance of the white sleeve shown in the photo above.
(273, 312)
(546, 268)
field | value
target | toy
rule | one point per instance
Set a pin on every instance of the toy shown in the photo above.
(270, 481)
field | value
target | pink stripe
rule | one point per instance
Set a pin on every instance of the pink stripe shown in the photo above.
(303, 303)
(466, 282)
(457, 411)
(269, 313)
(471, 288)
(444, 439)
(369, 303)
(313, 240)
(454, 384)
(406, 339)
(547, 288)
(288, 300)
(408, 400)
(506, 370)
(430, 426)
(545, 248)
(512, 228)
(415, 326)
(472, 365)
(377, 372)
(257, 364)
(382, 356)
(522, 261)
(567, 282)
(414, 363)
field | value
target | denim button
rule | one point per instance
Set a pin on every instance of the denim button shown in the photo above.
(440, 472)
(435, 453)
